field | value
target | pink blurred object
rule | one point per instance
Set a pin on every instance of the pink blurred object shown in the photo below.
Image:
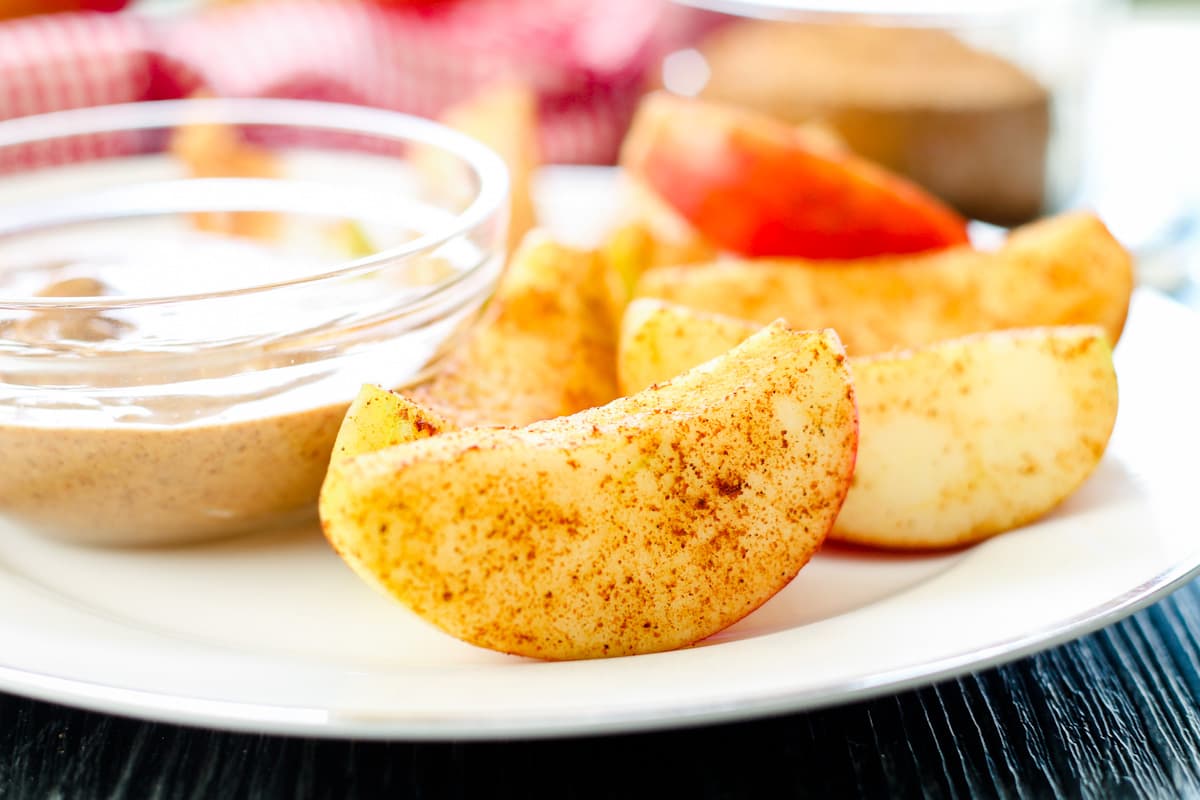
(588, 60)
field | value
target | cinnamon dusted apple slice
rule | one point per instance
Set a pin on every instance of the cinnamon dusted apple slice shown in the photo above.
(379, 418)
(1064, 270)
(959, 440)
(643, 525)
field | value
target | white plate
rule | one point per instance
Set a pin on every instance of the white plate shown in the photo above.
(273, 633)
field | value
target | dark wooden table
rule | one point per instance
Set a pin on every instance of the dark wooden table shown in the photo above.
(1113, 715)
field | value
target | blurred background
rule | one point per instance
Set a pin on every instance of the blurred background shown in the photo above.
(1007, 109)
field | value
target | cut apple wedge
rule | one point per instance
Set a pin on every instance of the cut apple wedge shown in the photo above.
(966, 439)
(659, 340)
(544, 347)
(758, 187)
(1064, 270)
(379, 418)
(502, 115)
(959, 440)
(643, 525)
(632, 248)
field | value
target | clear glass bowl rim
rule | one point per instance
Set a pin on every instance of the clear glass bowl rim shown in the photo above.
(489, 169)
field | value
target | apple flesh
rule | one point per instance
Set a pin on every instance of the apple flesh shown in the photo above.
(1063, 270)
(643, 525)
(959, 440)
(543, 347)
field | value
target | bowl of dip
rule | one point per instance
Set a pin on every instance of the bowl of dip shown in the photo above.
(192, 292)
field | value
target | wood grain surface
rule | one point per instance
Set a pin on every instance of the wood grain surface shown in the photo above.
(1113, 715)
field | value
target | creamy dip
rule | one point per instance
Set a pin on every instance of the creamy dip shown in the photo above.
(143, 485)
(105, 442)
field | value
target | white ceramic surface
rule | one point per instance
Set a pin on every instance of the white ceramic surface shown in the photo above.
(273, 633)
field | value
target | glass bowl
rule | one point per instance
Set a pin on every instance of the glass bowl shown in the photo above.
(192, 292)
(982, 103)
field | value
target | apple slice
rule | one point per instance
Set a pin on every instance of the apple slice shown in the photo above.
(643, 525)
(966, 439)
(659, 340)
(959, 440)
(214, 150)
(504, 116)
(758, 187)
(633, 247)
(1063, 270)
(379, 418)
(544, 347)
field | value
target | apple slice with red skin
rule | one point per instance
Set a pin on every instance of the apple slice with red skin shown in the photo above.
(758, 187)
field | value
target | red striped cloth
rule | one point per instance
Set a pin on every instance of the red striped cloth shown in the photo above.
(588, 60)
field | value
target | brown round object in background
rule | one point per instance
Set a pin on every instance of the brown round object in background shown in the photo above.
(968, 125)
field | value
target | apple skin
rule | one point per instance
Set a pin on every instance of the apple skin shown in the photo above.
(757, 187)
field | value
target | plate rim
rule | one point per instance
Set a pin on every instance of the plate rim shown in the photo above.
(316, 722)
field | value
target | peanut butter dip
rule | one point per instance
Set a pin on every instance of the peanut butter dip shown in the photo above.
(145, 485)
(130, 459)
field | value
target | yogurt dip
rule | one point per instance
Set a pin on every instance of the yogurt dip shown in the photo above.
(148, 422)
(146, 485)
